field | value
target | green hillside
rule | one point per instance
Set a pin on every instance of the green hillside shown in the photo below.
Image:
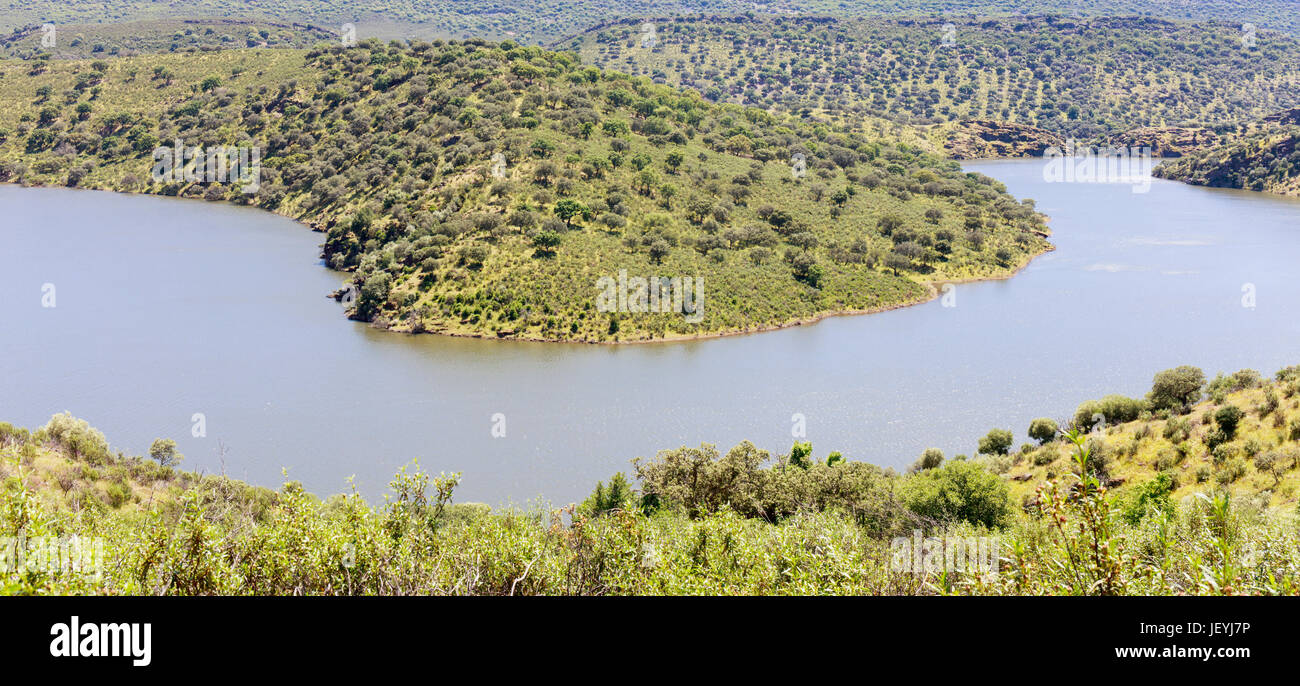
(1260, 157)
(484, 189)
(1087, 79)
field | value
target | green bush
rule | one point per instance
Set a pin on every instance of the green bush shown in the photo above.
(1149, 497)
(958, 491)
(77, 436)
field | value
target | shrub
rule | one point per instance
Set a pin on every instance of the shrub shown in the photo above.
(1270, 462)
(1228, 418)
(958, 491)
(602, 500)
(12, 434)
(1231, 470)
(77, 436)
(1151, 496)
(930, 459)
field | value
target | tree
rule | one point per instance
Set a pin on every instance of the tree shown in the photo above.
(545, 243)
(1269, 461)
(804, 239)
(1043, 430)
(164, 451)
(801, 454)
(568, 208)
(889, 223)
(674, 161)
(997, 442)
(645, 181)
(895, 261)
(374, 292)
(1228, 417)
(659, 249)
(930, 459)
(617, 496)
(1177, 389)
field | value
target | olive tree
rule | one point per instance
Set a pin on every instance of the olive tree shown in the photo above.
(997, 442)
(1043, 430)
(164, 451)
(1176, 389)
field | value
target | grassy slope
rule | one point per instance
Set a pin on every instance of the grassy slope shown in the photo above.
(1139, 450)
(1081, 78)
(388, 150)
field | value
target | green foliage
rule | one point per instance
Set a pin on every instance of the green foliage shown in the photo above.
(996, 442)
(801, 455)
(1227, 418)
(1151, 497)
(958, 491)
(1049, 73)
(604, 500)
(1177, 389)
(77, 436)
(930, 459)
(163, 450)
(1043, 430)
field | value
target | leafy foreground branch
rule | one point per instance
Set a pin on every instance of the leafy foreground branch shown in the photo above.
(699, 522)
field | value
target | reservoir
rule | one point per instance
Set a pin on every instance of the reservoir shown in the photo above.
(173, 315)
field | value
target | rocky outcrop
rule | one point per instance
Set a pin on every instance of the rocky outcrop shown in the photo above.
(981, 138)
(1266, 159)
(1168, 141)
(1289, 117)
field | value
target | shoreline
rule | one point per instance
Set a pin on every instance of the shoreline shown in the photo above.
(931, 286)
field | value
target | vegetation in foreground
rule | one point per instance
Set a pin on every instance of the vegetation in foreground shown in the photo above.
(486, 189)
(1168, 494)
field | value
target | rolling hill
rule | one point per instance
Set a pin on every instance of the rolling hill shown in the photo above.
(1039, 78)
(498, 190)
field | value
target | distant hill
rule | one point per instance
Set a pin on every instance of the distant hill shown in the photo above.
(546, 22)
(164, 35)
(1091, 79)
